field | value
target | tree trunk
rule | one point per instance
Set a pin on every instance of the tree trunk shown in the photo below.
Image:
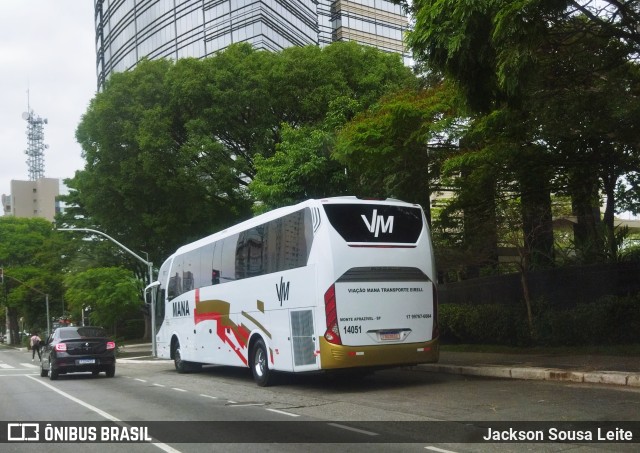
(480, 229)
(585, 202)
(537, 218)
(527, 300)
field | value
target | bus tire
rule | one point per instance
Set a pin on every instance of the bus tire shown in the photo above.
(259, 363)
(181, 365)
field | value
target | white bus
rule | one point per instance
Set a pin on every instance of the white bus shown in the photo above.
(336, 283)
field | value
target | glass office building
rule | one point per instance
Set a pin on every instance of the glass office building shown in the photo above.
(129, 30)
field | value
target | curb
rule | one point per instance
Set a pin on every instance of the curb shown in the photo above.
(543, 374)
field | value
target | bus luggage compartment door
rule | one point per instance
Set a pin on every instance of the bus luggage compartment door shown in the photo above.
(303, 342)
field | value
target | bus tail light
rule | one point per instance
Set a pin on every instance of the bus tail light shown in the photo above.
(332, 335)
(435, 333)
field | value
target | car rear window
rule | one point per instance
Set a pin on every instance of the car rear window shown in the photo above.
(82, 332)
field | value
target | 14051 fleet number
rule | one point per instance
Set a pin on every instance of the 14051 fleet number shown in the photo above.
(352, 329)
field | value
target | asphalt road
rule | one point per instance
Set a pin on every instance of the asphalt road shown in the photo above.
(221, 409)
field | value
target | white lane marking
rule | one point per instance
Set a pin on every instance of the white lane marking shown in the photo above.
(178, 390)
(160, 445)
(209, 396)
(284, 413)
(439, 450)
(5, 366)
(349, 428)
(140, 380)
(158, 385)
(30, 365)
(246, 404)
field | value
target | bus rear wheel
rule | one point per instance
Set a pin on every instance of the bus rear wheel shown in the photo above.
(259, 363)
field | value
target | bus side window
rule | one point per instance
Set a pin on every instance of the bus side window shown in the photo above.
(228, 259)
(172, 289)
(249, 253)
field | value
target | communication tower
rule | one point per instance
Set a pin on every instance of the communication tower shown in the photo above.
(35, 144)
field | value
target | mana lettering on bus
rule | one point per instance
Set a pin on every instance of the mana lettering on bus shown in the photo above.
(181, 308)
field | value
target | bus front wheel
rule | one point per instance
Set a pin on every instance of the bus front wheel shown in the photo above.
(182, 366)
(262, 375)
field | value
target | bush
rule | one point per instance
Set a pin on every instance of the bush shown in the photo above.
(486, 324)
(610, 320)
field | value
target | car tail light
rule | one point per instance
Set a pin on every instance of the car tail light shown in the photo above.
(61, 347)
(332, 335)
(111, 345)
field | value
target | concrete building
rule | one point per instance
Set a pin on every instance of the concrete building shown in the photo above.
(129, 30)
(33, 198)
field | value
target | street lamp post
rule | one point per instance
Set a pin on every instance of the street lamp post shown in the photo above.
(138, 257)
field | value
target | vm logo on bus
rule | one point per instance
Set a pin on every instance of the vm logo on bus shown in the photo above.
(378, 223)
(282, 291)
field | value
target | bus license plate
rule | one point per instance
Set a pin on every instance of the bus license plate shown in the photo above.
(86, 361)
(389, 336)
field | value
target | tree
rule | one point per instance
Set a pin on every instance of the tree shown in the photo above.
(301, 168)
(491, 48)
(31, 257)
(170, 147)
(139, 182)
(112, 294)
(396, 147)
(561, 72)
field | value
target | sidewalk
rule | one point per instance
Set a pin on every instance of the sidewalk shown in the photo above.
(591, 369)
(594, 369)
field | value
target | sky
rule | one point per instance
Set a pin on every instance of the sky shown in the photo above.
(47, 64)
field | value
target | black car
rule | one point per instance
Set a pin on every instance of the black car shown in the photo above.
(78, 349)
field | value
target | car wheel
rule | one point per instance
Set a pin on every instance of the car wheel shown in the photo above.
(111, 371)
(260, 364)
(53, 374)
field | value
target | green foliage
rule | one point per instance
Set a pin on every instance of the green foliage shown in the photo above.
(483, 324)
(554, 88)
(396, 147)
(611, 321)
(32, 258)
(171, 147)
(111, 293)
(301, 168)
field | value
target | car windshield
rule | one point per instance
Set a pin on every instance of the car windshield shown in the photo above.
(83, 332)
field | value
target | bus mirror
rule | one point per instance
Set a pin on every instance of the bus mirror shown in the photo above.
(152, 286)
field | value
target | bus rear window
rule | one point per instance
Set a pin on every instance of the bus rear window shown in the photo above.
(375, 223)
